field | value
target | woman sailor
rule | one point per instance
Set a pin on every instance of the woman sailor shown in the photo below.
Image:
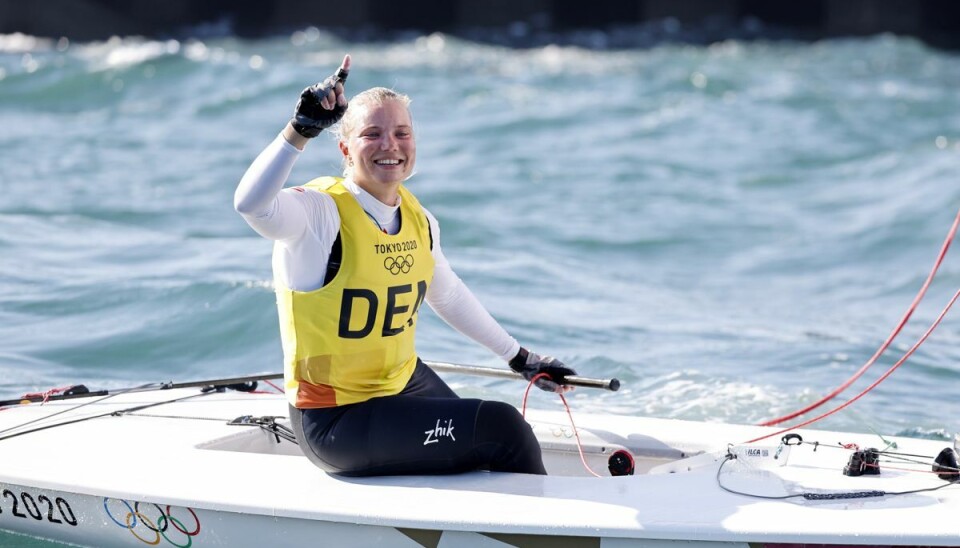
(354, 259)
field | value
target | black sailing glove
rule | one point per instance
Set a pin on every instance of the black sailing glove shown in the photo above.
(310, 118)
(531, 364)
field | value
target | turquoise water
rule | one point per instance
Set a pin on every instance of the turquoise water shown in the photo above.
(732, 230)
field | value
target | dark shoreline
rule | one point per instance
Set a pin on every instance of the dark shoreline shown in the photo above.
(515, 23)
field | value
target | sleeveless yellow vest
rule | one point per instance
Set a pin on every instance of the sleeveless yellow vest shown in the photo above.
(353, 339)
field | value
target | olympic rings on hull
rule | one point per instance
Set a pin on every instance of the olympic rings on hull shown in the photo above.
(150, 530)
(398, 264)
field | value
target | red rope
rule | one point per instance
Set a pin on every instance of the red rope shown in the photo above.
(523, 411)
(45, 395)
(275, 387)
(576, 433)
(875, 383)
(886, 344)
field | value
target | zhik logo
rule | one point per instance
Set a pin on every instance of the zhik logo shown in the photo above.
(440, 431)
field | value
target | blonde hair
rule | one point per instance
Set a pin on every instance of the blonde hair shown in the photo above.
(351, 119)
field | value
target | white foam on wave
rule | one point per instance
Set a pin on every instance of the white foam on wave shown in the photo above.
(116, 53)
(22, 43)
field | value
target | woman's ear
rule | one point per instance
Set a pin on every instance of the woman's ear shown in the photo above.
(344, 150)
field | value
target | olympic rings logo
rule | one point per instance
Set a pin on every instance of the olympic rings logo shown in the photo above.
(158, 527)
(398, 264)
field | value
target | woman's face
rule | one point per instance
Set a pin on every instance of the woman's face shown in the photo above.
(381, 152)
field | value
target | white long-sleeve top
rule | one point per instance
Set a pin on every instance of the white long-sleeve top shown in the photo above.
(304, 224)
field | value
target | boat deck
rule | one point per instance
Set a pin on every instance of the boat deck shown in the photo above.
(184, 462)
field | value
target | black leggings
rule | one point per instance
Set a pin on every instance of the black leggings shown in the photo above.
(425, 429)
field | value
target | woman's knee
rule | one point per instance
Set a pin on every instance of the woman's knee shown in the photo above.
(501, 415)
(500, 424)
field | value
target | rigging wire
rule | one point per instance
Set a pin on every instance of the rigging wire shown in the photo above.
(91, 417)
(823, 496)
(888, 456)
(208, 388)
(74, 408)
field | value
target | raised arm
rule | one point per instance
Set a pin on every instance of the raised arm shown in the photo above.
(277, 215)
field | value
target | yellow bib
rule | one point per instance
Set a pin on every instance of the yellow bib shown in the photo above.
(353, 339)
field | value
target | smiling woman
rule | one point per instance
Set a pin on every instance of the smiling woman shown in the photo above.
(361, 400)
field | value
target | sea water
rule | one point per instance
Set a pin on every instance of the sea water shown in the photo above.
(732, 229)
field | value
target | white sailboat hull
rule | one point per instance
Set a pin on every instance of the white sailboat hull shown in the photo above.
(178, 474)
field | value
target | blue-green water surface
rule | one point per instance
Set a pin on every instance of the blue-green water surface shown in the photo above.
(732, 230)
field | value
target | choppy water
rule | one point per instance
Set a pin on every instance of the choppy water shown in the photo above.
(732, 230)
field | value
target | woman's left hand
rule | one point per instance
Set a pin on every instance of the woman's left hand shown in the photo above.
(530, 364)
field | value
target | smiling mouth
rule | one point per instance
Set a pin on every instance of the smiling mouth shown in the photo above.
(388, 162)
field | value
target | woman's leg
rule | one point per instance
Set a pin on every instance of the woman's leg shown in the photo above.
(418, 435)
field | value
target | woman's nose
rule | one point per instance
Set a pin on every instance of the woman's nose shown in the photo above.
(388, 142)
